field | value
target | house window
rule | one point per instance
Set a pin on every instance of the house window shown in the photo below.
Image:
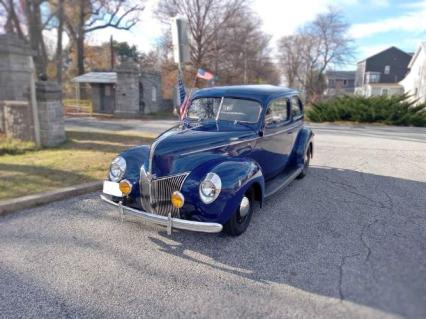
(387, 69)
(154, 94)
(331, 83)
(345, 82)
(373, 77)
(385, 92)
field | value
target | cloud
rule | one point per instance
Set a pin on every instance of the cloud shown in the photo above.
(282, 18)
(411, 21)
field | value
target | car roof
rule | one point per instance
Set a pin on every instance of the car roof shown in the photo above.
(261, 93)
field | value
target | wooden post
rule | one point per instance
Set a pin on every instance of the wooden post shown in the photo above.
(34, 103)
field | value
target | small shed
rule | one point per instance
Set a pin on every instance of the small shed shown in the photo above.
(125, 92)
(103, 89)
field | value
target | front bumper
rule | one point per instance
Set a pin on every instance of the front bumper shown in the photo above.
(167, 221)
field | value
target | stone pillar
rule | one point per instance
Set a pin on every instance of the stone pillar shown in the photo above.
(18, 120)
(50, 113)
(127, 91)
(15, 68)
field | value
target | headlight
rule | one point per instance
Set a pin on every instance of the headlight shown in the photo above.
(117, 169)
(210, 188)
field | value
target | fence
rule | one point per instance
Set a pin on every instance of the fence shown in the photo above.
(80, 107)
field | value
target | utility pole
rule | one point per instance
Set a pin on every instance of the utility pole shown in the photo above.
(111, 49)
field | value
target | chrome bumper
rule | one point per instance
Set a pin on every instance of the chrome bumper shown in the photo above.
(167, 221)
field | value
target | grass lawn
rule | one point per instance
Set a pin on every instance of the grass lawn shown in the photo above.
(85, 157)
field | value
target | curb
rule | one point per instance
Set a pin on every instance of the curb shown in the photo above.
(11, 205)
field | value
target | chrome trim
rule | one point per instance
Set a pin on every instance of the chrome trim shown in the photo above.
(168, 221)
(282, 131)
(220, 146)
(220, 108)
(238, 142)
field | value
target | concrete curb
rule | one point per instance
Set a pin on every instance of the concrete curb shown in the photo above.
(11, 205)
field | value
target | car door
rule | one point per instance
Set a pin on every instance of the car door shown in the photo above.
(296, 113)
(275, 145)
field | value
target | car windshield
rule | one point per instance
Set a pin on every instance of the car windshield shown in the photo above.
(229, 109)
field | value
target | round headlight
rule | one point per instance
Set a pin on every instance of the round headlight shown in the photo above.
(117, 169)
(210, 188)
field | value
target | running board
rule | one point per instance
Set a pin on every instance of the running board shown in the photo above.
(281, 181)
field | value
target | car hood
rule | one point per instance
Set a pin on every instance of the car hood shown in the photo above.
(182, 148)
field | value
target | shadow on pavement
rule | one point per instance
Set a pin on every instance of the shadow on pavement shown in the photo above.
(339, 233)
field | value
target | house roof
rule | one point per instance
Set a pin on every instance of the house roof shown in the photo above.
(96, 77)
(422, 46)
(340, 75)
(390, 48)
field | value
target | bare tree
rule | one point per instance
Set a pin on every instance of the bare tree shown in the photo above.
(92, 15)
(206, 18)
(305, 56)
(59, 59)
(12, 24)
(226, 38)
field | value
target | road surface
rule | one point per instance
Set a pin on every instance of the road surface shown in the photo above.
(347, 241)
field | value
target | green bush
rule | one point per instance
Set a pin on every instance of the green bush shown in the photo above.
(391, 110)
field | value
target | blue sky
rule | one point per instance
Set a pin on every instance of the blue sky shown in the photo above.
(375, 25)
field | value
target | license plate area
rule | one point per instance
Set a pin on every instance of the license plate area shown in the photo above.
(112, 188)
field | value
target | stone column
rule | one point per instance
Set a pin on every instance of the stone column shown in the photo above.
(50, 113)
(127, 91)
(15, 72)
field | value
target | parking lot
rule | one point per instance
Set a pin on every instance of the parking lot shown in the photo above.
(347, 241)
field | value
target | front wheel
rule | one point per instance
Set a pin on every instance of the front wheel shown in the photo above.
(241, 218)
(306, 160)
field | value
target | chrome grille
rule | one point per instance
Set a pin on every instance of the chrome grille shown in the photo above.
(156, 194)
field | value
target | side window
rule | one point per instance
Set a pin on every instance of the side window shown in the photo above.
(277, 112)
(296, 107)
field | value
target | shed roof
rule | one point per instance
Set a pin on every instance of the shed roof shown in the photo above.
(96, 77)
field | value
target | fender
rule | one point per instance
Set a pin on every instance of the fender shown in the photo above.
(304, 137)
(135, 157)
(237, 175)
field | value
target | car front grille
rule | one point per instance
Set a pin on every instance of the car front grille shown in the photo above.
(156, 194)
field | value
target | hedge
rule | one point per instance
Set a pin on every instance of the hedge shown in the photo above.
(391, 110)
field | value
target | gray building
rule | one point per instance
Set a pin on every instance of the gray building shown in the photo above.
(339, 83)
(379, 74)
(125, 92)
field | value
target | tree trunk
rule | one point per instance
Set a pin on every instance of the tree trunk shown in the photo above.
(33, 15)
(80, 38)
(59, 60)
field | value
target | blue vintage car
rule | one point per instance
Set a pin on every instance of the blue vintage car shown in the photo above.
(237, 145)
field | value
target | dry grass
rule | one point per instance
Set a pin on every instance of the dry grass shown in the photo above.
(85, 157)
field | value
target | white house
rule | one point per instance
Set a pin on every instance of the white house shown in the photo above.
(415, 81)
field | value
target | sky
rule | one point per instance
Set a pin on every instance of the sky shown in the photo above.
(375, 24)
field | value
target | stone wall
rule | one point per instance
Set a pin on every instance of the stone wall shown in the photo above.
(127, 89)
(50, 113)
(17, 121)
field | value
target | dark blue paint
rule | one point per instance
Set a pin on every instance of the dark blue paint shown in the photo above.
(242, 155)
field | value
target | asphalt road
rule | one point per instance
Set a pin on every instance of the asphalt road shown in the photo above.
(348, 241)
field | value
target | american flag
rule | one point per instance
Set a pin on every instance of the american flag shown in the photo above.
(203, 74)
(183, 97)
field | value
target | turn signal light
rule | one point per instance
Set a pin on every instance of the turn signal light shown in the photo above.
(177, 199)
(125, 187)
